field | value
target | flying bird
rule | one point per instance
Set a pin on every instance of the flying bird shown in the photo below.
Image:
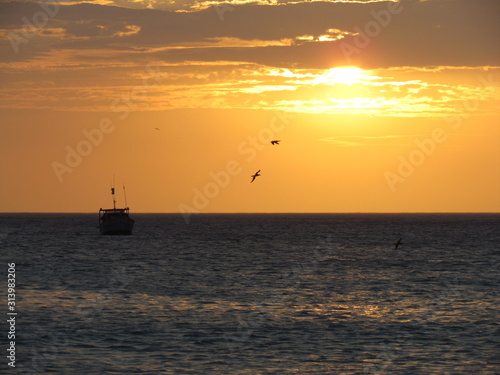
(277, 142)
(255, 175)
(396, 245)
(157, 128)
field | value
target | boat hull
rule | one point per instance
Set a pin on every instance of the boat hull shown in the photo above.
(119, 227)
(115, 221)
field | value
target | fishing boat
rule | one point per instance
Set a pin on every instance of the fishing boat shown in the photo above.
(115, 220)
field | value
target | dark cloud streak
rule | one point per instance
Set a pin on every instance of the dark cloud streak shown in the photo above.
(433, 33)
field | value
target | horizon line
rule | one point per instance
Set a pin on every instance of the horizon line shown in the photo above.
(266, 213)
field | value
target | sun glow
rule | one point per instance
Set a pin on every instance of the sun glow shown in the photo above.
(344, 75)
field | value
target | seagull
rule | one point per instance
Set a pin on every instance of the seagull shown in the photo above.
(255, 175)
(157, 128)
(275, 142)
(396, 245)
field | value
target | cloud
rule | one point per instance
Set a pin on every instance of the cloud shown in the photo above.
(241, 85)
(258, 56)
(196, 5)
(310, 35)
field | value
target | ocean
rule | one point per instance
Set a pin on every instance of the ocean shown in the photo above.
(252, 294)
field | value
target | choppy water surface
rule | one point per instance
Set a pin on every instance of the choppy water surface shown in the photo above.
(256, 294)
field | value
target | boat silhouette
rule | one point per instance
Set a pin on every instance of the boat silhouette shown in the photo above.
(115, 221)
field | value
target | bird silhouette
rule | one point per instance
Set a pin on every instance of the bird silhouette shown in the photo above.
(254, 176)
(157, 128)
(396, 245)
(277, 142)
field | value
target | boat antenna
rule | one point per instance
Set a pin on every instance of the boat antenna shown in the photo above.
(125, 195)
(113, 193)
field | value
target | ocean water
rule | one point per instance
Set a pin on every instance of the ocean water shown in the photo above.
(254, 294)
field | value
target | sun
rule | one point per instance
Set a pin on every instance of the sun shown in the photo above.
(345, 75)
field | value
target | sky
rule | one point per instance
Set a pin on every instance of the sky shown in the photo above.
(379, 106)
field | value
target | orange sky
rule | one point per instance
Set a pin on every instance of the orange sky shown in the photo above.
(379, 106)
